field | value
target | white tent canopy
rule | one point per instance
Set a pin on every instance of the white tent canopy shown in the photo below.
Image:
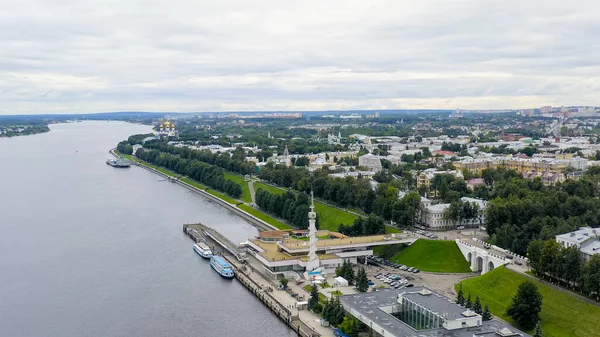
(340, 282)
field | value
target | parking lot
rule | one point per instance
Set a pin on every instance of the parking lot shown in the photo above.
(394, 276)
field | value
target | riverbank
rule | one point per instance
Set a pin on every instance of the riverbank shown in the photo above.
(228, 203)
(9, 131)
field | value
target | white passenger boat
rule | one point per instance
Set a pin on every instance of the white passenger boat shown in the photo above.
(221, 266)
(203, 250)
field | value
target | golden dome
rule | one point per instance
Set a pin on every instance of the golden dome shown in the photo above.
(167, 123)
(161, 126)
(173, 126)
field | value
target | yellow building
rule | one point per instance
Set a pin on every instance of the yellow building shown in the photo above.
(520, 165)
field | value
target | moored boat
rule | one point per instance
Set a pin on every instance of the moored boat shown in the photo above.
(221, 266)
(118, 162)
(203, 250)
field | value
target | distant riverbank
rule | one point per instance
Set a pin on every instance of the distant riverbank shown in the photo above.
(22, 130)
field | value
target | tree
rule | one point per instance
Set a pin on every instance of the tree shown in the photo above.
(460, 297)
(538, 330)
(526, 305)
(346, 272)
(477, 306)
(469, 303)
(550, 257)
(486, 315)
(534, 254)
(362, 282)
(354, 328)
(313, 301)
(572, 266)
(591, 275)
(284, 283)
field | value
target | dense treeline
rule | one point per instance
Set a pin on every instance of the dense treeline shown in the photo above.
(204, 173)
(139, 138)
(349, 192)
(289, 206)
(22, 130)
(371, 225)
(125, 148)
(524, 210)
(233, 163)
(549, 259)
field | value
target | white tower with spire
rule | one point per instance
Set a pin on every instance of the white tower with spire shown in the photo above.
(313, 260)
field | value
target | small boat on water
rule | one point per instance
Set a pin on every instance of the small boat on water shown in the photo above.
(203, 250)
(118, 162)
(221, 266)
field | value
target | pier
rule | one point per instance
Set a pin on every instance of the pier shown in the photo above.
(280, 302)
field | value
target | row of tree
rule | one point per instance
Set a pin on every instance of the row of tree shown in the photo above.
(289, 206)
(204, 173)
(235, 161)
(371, 225)
(549, 259)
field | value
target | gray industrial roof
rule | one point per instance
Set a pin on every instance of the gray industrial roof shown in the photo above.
(368, 305)
(434, 302)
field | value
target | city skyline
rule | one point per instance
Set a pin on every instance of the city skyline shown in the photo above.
(71, 57)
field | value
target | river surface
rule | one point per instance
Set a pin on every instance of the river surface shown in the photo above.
(91, 250)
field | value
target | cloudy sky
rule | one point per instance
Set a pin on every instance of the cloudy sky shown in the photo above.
(79, 56)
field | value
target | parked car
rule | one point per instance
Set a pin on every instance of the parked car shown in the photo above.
(416, 270)
(410, 285)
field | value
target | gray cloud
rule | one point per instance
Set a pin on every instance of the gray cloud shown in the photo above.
(85, 56)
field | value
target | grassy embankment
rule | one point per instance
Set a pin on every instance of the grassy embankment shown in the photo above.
(562, 314)
(182, 178)
(431, 255)
(264, 217)
(246, 197)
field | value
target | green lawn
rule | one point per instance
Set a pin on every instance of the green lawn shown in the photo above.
(264, 217)
(330, 217)
(246, 197)
(268, 188)
(433, 255)
(562, 314)
(126, 156)
(222, 196)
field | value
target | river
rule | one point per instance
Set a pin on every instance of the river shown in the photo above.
(91, 250)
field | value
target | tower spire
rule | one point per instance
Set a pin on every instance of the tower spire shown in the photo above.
(313, 259)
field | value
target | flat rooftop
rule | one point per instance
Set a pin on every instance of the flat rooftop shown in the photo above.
(296, 244)
(369, 306)
(434, 302)
(271, 253)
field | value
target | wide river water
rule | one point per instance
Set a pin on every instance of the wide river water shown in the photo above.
(91, 250)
